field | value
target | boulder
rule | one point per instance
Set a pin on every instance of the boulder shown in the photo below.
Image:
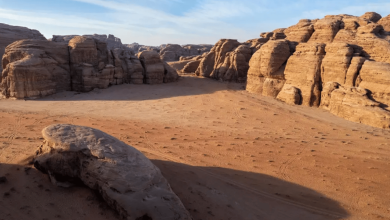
(371, 16)
(290, 95)
(191, 67)
(353, 104)
(375, 77)
(156, 70)
(90, 68)
(336, 62)
(35, 68)
(267, 65)
(10, 34)
(303, 71)
(128, 181)
(127, 66)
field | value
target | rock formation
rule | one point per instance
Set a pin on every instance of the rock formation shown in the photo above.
(191, 66)
(173, 52)
(334, 59)
(37, 68)
(128, 181)
(111, 41)
(303, 72)
(10, 34)
(267, 65)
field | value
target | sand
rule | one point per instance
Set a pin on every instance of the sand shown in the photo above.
(227, 154)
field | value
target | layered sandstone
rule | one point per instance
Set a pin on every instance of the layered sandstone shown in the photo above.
(267, 65)
(35, 68)
(10, 34)
(128, 181)
(303, 73)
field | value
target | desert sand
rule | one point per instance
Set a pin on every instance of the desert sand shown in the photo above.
(227, 154)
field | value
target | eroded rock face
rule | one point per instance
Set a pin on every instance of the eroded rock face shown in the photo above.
(35, 68)
(191, 67)
(326, 29)
(335, 64)
(90, 68)
(10, 34)
(125, 178)
(156, 70)
(303, 71)
(300, 32)
(267, 65)
(353, 104)
(385, 22)
(375, 77)
(371, 16)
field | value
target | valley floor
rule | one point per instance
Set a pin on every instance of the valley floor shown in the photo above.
(227, 154)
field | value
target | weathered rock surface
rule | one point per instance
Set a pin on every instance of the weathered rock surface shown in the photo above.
(35, 68)
(128, 181)
(235, 65)
(111, 41)
(375, 77)
(156, 70)
(228, 60)
(372, 16)
(300, 32)
(267, 65)
(335, 64)
(90, 68)
(354, 71)
(303, 71)
(191, 67)
(10, 34)
(173, 52)
(353, 103)
(385, 22)
(326, 29)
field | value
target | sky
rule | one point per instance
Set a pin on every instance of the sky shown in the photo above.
(155, 22)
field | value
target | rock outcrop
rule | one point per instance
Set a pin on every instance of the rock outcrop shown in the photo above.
(267, 65)
(128, 181)
(10, 34)
(191, 66)
(111, 41)
(173, 52)
(385, 22)
(303, 73)
(37, 68)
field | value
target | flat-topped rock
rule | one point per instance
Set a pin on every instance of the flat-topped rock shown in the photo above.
(128, 181)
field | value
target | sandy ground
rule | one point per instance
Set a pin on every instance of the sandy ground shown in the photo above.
(227, 154)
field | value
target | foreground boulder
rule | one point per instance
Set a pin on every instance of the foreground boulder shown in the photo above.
(35, 68)
(125, 178)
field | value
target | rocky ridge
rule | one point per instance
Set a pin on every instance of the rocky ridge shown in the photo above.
(340, 63)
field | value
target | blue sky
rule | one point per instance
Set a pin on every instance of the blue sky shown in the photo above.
(155, 22)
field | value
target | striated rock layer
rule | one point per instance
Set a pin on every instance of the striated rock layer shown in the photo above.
(37, 68)
(128, 181)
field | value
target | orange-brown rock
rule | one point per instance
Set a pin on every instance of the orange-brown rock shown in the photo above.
(35, 68)
(300, 32)
(191, 67)
(213, 65)
(336, 62)
(266, 72)
(326, 29)
(128, 66)
(354, 70)
(303, 71)
(235, 66)
(354, 104)
(371, 16)
(375, 77)
(385, 22)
